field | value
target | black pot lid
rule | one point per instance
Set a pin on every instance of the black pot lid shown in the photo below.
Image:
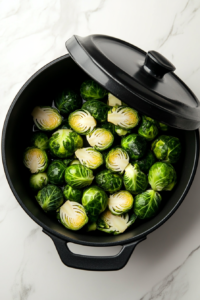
(145, 81)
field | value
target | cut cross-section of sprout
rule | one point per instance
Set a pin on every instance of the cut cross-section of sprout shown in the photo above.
(35, 160)
(89, 157)
(46, 118)
(101, 139)
(120, 202)
(117, 160)
(82, 121)
(123, 116)
(72, 215)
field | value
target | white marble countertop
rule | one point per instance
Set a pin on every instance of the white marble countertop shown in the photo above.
(166, 265)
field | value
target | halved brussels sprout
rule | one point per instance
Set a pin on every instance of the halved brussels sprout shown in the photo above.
(113, 101)
(163, 127)
(135, 145)
(95, 201)
(75, 162)
(90, 90)
(110, 127)
(35, 159)
(113, 224)
(167, 148)
(72, 194)
(38, 181)
(46, 118)
(162, 177)
(121, 131)
(117, 159)
(72, 215)
(98, 109)
(40, 140)
(146, 163)
(82, 121)
(78, 176)
(67, 101)
(120, 202)
(148, 129)
(89, 157)
(123, 116)
(50, 198)
(135, 181)
(56, 172)
(109, 181)
(101, 139)
(147, 204)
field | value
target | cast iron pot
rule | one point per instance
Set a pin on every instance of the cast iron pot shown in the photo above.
(39, 90)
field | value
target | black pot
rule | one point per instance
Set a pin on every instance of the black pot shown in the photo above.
(40, 89)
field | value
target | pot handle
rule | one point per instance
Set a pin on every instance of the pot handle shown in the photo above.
(93, 263)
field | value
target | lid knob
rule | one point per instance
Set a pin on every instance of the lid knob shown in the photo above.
(157, 65)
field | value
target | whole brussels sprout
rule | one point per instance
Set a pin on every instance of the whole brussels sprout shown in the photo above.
(135, 181)
(121, 131)
(97, 109)
(40, 140)
(167, 148)
(117, 159)
(163, 127)
(120, 202)
(123, 116)
(110, 127)
(46, 118)
(162, 177)
(147, 204)
(38, 181)
(82, 121)
(89, 157)
(148, 129)
(50, 198)
(68, 101)
(90, 90)
(101, 139)
(146, 163)
(65, 124)
(135, 145)
(95, 201)
(113, 101)
(35, 159)
(113, 224)
(109, 181)
(56, 172)
(72, 215)
(78, 176)
(78, 141)
(72, 194)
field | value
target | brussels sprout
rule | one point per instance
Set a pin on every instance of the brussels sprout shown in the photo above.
(38, 181)
(75, 162)
(117, 159)
(72, 215)
(82, 121)
(35, 159)
(95, 201)
(50, 198)
(40, 140)
(67, 161)
(68, 101)
(123, 116)
(89, 157)
(167, 148)
(90, 90)
(65, 124)
(110, 127)
(97, 109)
(91, 226)
(101, 139)
(72, 194)
(78, 141)
(113, 101)
(78, 176)
(163, 127)
(46, 118)
(120, 202)
(148, 129)
(56, 172)
(162, 177)
(147, 204)
(109, 181)
(146, 163)
(135, 145)
(121, 131)
(135, 181)
(110, 223)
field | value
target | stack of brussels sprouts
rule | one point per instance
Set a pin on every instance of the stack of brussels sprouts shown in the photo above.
(99, 164)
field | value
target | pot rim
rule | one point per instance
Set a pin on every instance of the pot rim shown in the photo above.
(46, 228)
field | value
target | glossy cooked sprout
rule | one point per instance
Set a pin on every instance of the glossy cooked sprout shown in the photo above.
(36, 160)
(120, 202)
(117, 160)
(89, 157)
(46, 118)
(101, 139)
(123, 116)
(82, 122)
